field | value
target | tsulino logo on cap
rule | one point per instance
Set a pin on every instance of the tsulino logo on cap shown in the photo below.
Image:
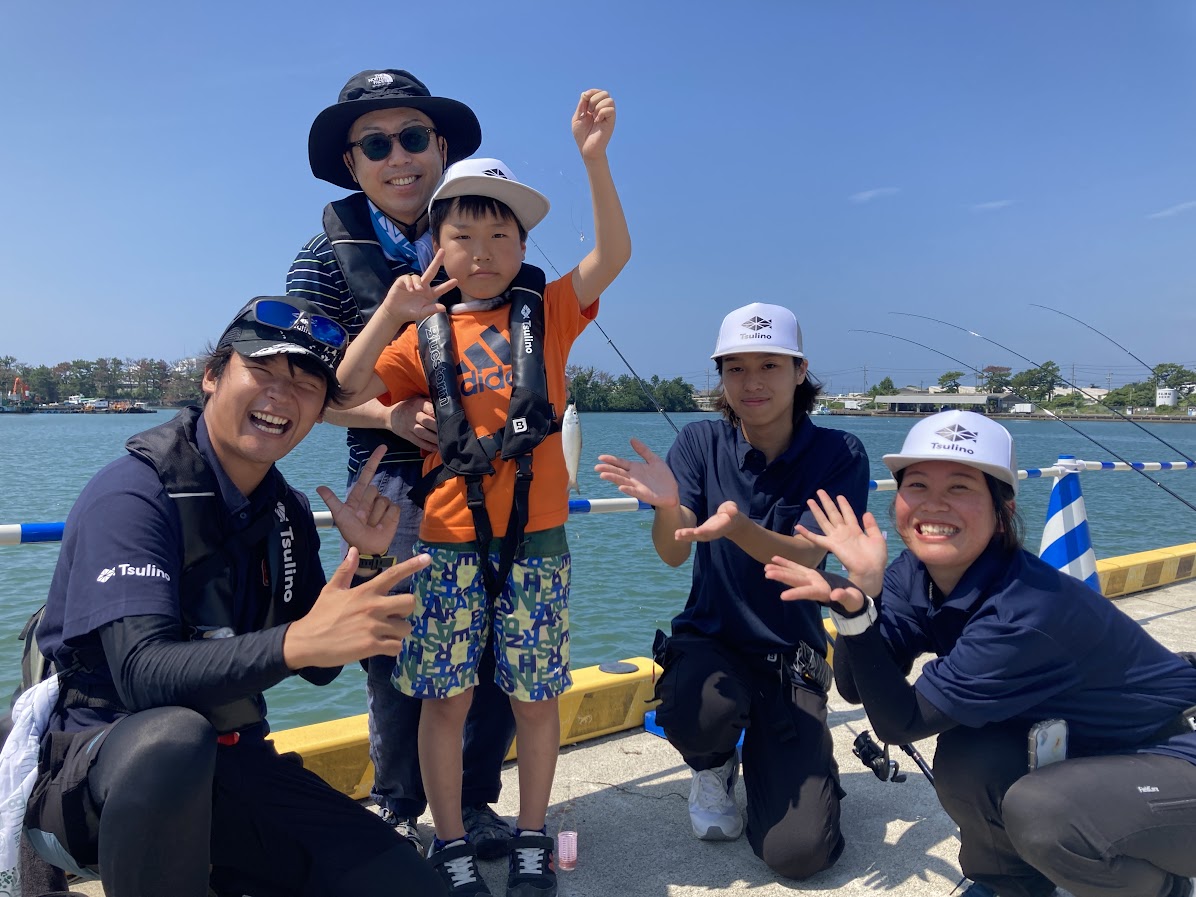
(756, 323)
(496, 173)
(957, 433)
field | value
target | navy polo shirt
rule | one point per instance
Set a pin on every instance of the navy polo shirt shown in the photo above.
(1019, 640)
(122, 556)
(730, 599)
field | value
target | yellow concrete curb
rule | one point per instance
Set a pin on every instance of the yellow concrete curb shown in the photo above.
(1132, 573)
(598, 703)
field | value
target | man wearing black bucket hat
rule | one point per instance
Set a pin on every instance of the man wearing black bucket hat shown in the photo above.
(166, 628)
(389, 139)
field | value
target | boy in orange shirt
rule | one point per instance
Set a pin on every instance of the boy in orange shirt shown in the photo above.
(494, 366)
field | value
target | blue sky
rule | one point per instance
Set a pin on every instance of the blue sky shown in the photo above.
(847, 159)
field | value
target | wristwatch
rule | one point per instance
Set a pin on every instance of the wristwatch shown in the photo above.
(375, 561)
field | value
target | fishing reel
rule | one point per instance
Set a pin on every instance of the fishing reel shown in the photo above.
(877, 758)
(884, 767)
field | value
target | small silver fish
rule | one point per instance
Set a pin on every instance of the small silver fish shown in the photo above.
(571, 441)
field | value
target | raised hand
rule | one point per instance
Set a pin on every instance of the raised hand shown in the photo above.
(366, 519)
(649, 480)
(412, 297)
(809, 584)
(346, 624)
(862, 550)
(719, 525)
(594, 122)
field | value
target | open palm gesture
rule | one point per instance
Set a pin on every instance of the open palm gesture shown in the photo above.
(649, 480)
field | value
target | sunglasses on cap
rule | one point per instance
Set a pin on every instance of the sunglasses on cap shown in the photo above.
(413, 139)
(282, 316)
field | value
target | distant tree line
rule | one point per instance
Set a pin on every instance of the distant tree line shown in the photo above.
(594, 390)
(1039, 385)
(151, 380)
(160, 382)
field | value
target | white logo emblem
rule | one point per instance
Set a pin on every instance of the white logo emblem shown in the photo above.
(525, 311)
(279, 349)
(153, 571)
(280, 512)
(380, 80)
(519, 424)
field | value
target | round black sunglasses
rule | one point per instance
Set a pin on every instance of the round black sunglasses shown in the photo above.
(413, 139)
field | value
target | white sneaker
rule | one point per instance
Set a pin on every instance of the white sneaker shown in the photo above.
(712, 808)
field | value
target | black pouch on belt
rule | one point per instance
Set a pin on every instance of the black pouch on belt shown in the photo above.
(809, 668)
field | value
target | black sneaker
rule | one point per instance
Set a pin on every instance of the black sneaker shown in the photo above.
(457, 864)
(487, 831)
(532, 872)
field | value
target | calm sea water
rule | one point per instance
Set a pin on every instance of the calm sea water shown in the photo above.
(621, 592)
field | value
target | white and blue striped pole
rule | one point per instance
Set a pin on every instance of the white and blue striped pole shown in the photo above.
(1066, 542)
(28, 533)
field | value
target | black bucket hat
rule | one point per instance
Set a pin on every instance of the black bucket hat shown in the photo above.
(300, 328)
(385, 89)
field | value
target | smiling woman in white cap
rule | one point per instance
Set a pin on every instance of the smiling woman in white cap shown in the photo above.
(1017, 643)
(739, 661)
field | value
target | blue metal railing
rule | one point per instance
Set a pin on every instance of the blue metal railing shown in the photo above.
(28, 533)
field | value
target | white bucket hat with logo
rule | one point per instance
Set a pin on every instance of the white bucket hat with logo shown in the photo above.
(490, 177)
(961, 436)
(759, 328)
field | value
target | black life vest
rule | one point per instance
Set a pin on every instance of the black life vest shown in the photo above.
(208, 584)
(369, 275)
(530, 419)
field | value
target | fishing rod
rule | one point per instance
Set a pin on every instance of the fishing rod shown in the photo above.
(1098, 333)
(1091, 439)
(638, 379)
(1037, 366)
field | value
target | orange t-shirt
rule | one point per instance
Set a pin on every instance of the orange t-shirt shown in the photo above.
(482, 347)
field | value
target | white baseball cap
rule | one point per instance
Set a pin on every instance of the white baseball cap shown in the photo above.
(961, 436)
(759, 328)
(490, 177)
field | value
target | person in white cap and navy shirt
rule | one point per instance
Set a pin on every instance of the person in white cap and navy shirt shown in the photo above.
(389, 139)
(1066, 751)
(739, 660)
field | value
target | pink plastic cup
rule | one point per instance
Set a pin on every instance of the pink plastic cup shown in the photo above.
(566, 850)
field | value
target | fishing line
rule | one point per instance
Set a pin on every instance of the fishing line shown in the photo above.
(1098, 333)
(1086, 395)
(1091, 439)
(638, 379)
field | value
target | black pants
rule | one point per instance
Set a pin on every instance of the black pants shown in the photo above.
(1115, 826)
(163, 809)
(710, 695)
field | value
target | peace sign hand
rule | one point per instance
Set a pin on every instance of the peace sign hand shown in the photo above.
(412, 297)
(366, 519)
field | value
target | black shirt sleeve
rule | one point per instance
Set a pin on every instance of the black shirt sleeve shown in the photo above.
(865, 672)
(153, 667)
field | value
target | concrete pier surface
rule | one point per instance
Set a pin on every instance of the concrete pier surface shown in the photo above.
(626, 796)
